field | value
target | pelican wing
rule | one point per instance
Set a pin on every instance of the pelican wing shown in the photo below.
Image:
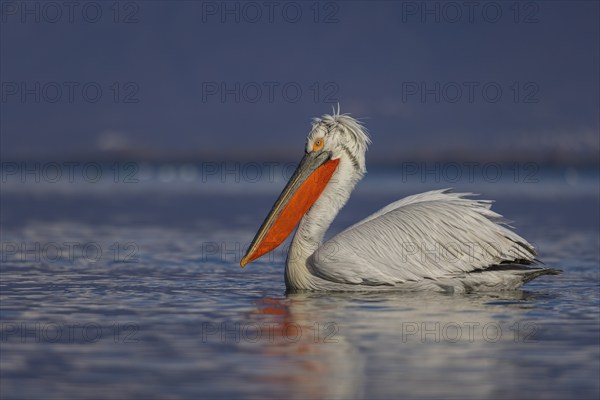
(433, 235)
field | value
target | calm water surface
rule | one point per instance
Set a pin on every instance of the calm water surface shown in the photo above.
(118, 290)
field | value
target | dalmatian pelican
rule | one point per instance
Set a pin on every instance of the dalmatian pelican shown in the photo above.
(437, 240)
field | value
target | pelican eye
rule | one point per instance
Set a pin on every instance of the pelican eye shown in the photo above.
(318, 144)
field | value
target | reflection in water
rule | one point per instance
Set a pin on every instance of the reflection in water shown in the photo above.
(315, 359)
(425, 344)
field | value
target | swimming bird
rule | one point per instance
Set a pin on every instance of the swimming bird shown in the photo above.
(437, 240)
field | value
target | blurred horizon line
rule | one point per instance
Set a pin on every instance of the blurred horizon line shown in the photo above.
(546, 158)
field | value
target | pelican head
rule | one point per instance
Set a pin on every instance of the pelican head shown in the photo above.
(334, 161)
(342, 136)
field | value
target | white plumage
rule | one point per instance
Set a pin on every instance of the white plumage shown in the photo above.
(436, 240)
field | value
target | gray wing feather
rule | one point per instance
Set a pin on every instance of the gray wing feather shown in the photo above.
(431, 235)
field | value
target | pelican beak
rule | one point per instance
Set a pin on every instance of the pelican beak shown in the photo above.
(304, 188)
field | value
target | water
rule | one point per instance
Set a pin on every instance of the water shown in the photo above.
(134, 291)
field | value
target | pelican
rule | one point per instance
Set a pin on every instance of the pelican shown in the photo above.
(437, 240)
